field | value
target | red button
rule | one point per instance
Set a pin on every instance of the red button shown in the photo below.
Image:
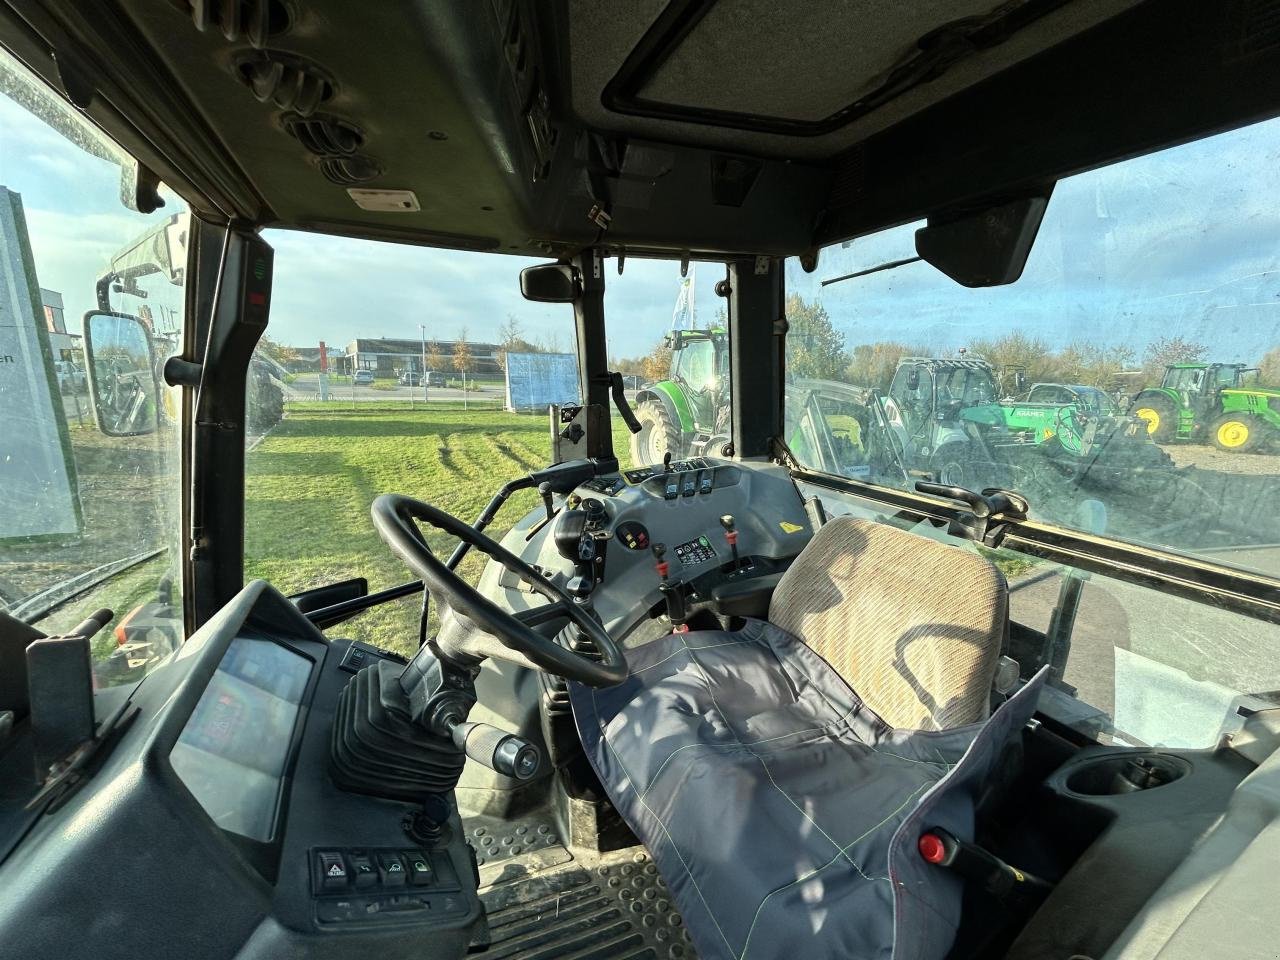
(932, 848)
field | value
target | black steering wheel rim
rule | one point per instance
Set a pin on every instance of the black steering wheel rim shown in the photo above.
(394, 517)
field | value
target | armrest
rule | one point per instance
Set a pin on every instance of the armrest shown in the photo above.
(745, 598)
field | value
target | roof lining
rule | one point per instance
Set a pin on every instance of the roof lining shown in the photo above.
(938, 51)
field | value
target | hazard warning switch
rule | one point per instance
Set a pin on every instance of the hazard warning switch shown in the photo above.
(332, 870)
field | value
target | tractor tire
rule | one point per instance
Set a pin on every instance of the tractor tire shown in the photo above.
(952, 464)
(1161, 417)
(658, 434)
(1237, 432)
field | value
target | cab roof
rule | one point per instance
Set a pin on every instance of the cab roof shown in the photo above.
(681, 127)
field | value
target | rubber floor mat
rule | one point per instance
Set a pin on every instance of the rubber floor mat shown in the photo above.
(546, 903)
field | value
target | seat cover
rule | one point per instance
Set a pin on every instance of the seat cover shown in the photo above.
(782, 813)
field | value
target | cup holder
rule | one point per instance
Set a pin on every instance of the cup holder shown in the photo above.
(1125, 773)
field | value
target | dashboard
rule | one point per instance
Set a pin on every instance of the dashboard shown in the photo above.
(212, 820)
(680, 508)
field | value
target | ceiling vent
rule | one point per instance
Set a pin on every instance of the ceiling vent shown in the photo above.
(324, 135)
(346, 171)
(285, 80)
(247, 21)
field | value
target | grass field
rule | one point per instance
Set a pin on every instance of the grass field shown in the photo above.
(310, 482)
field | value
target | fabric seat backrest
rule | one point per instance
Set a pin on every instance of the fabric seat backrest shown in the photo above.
(914, 626)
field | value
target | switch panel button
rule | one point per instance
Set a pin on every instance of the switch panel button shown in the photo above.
(362, 868)
(332, 870)
(420, 872)
(391, 870)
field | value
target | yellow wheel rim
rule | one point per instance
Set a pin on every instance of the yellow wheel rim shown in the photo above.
(1233, 433)
(1151, 416)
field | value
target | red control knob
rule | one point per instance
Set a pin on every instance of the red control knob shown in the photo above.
(932, 848)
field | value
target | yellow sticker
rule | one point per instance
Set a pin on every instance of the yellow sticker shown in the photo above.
(789, 527)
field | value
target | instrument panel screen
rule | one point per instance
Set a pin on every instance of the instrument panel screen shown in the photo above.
(232, 753)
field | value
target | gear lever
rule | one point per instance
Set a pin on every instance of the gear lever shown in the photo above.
(671, 591)
(731, 535)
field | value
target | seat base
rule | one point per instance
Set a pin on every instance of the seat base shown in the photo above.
(779, 809)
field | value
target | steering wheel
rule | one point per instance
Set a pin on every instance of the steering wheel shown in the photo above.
(394, 516)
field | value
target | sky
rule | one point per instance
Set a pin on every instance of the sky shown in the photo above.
(1182, 242)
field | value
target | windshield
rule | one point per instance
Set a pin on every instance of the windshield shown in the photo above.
(89, 492)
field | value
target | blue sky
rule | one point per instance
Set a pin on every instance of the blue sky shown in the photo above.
(1182, 242)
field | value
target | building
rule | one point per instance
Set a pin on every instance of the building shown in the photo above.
(65, 346)
(388, 357)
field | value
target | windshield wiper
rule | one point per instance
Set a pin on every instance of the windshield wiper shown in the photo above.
(39, 605)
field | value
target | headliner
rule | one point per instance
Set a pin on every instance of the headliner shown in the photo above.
(702, 126)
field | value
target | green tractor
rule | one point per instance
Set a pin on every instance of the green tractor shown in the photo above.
(687, 414)
(1220, 402)
(948, 422)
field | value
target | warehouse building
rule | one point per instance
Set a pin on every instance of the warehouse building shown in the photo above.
(389, 357)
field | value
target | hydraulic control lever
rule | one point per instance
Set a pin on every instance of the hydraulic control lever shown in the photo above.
(731, 535)
(1006, 883)
(672, 591)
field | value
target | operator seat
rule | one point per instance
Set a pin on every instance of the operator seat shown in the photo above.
(781, 774)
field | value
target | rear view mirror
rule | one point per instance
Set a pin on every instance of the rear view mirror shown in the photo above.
(913, 379)
(549, 283)
(122, 374)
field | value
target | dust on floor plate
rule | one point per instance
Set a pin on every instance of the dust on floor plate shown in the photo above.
(547, 903)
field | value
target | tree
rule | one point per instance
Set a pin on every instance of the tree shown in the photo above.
(1093, 365)
(462, 355)
(509, 339)
(1018, 351)
(435, 359)
(656, 364)
(277, 351)
(1269, 368)
(1169, 350)
(873, 364)
(815, 348)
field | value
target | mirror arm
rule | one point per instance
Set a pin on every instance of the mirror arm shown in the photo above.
(182, 373)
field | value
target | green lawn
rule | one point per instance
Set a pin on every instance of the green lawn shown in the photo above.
(310, 482)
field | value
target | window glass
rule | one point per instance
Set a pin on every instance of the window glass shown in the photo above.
(1135, 363)
(89, 465)
(1127, 665)
(386, 369)
(669, 337)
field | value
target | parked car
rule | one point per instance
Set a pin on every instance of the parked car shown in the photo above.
(71, 379)
(362, 376)
(409, 378)
(435, 379)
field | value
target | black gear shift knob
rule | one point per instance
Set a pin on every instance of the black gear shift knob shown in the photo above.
(544, 491)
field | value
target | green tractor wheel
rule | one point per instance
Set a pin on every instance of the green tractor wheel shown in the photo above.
(1236, 432)
(950, 464)
(1160, 415)
(658, 434)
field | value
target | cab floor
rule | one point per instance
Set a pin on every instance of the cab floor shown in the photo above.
(547, 903)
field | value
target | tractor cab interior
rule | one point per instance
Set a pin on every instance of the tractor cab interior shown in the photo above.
(784, 644)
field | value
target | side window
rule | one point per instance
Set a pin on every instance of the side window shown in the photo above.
(90, 476)
(1157, 454)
